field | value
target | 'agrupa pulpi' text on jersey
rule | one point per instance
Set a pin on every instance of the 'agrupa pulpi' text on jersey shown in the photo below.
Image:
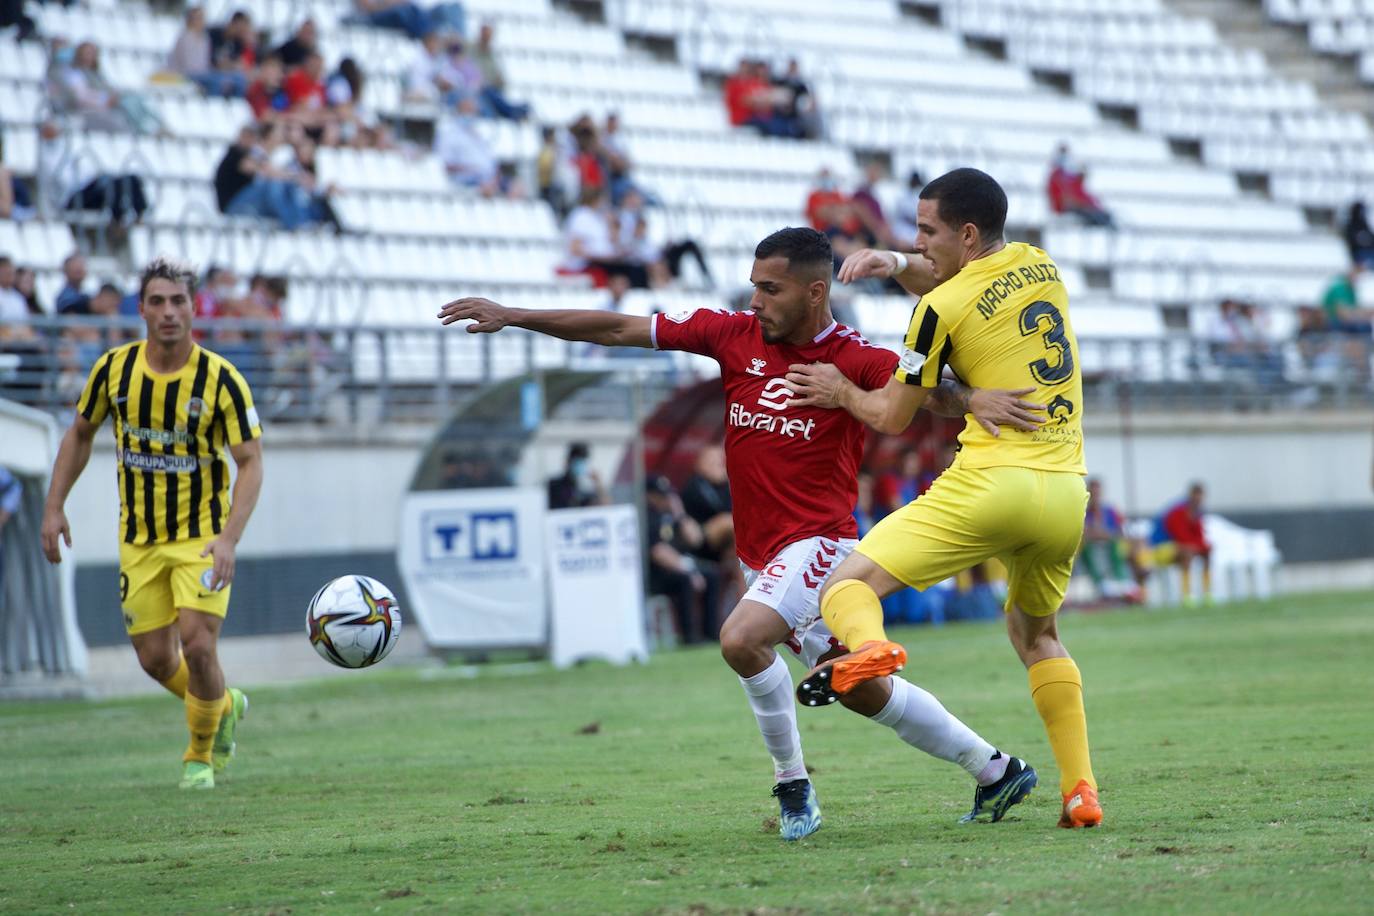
(793, 470)
(170, 433)
(1003, 322)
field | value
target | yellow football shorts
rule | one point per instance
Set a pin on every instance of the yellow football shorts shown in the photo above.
(158, 579)
(1032, 521)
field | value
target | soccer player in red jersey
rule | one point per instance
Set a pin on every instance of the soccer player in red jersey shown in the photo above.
(793, 477)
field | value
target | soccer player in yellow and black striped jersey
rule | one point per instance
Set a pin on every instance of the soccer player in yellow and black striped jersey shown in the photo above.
(996, 313)
(175, 408)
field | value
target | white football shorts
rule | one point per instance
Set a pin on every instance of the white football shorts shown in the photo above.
(791, 585)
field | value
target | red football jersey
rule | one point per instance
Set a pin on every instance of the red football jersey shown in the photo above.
(793, 471)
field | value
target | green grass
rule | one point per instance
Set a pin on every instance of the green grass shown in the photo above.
(1233, 746)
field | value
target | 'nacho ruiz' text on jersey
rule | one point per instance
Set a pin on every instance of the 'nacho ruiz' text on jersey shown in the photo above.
(793, 470)
(1003, 322)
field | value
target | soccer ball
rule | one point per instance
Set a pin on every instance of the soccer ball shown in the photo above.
(353, 621)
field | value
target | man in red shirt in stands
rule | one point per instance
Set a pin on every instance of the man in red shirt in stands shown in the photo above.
(1179, 538)
(794, 481)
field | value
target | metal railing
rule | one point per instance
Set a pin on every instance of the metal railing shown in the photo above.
(353, 374)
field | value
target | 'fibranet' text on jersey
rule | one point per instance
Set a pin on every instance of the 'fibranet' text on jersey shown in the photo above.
(793, 470)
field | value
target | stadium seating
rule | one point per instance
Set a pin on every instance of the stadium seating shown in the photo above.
(888, 83)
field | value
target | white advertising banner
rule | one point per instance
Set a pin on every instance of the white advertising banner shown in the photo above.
(473, 564)
(595, 569)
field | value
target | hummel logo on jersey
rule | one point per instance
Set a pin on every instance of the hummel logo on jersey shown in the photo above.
(757, 366)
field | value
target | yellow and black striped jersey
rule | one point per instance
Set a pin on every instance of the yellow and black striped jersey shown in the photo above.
(170, 434)
(1003, 322)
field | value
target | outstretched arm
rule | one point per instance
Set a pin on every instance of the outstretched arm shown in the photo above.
(610, 329)
(915, 274)
(891, 408)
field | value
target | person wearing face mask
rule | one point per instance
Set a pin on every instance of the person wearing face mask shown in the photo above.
(579, 485)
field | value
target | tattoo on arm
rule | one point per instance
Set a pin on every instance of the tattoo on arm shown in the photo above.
(950, 398)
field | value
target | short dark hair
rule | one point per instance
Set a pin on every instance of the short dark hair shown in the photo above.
(970, 196)
(111, 288)
(802, 246)
(164, 268)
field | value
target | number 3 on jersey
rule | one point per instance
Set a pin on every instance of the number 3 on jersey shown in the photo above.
(1048, 372)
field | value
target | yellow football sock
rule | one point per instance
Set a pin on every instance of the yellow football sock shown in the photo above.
(202, 718)
(1206, 583)
(1057, 689)
(1185, 573)
(177, 682)
(853, 612)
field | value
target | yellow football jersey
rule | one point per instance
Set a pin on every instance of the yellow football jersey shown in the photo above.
(1003, 322)
(170, 434)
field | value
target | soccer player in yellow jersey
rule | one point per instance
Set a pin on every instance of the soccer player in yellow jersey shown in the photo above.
(176, 407)
(997, 314)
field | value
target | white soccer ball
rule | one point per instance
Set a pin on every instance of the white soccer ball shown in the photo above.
(353, 621)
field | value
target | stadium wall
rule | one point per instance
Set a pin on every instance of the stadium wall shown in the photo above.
(331, 502)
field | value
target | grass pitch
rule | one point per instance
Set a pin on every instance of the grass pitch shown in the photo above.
(1233, 747)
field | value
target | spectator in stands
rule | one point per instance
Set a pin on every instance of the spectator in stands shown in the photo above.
(89, 342)
(590, 236)
(303, 172)
(302, 43)
(548, 166)
(1105, 549)
(586, 155)
(869, 209)
(424, 80)
(358, 125)
(615, 160)
(1238, 342)
(26, 284)
(1179, 538)
(304, 87)
(663, 262)
(16, 201)
(248, 183)
(492, 98)
(413, 19)
(579, 485)
(12, 14)
(1359, 238)
(830, 210)
(191, 57)
(751, 101)
(706, 499)
(217, 295)
(673, 571)
(465, 153)
(459, 71)
(266, 95)
(798, 105)
(1341, 305)
(74, 185)
(899, 487)
(14, 308)
(234, 46)
(72, 298)
(904, 213)
(85, 91)
(1068, 191)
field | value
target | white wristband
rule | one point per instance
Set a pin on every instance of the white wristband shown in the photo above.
(902, 262)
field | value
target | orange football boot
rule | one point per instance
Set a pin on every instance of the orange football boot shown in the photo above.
(826, 682)
(1081, 807)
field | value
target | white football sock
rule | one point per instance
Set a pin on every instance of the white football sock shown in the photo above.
(920, 721)
(770, 696)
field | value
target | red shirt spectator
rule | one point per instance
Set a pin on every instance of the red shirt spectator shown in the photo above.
(740, 91)
(828, 208)
(305, 85)
(1183, 524)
